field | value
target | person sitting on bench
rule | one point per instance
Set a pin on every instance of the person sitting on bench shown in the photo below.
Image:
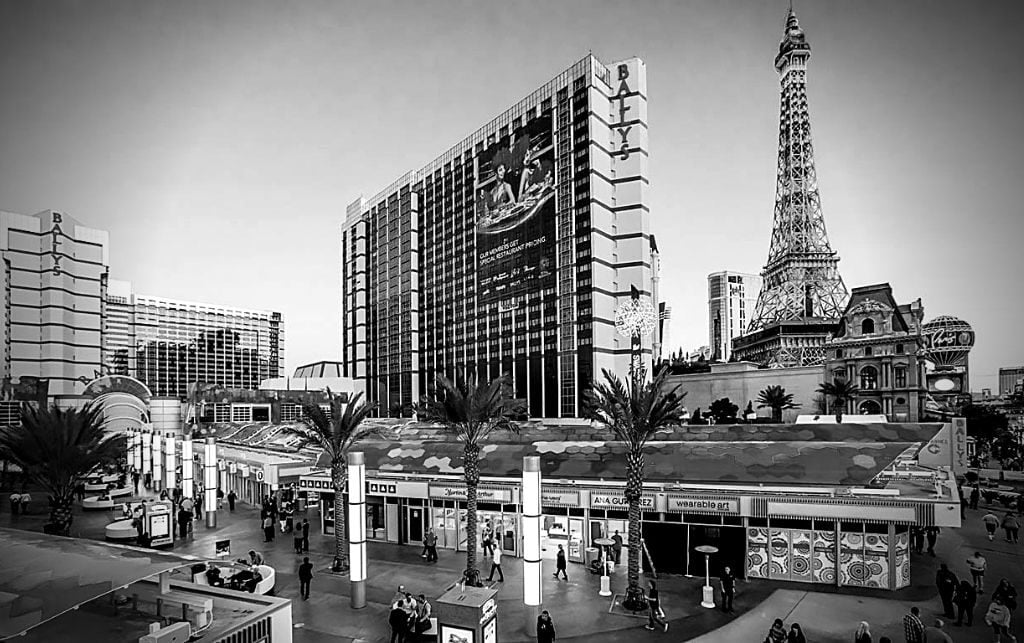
(213, 578)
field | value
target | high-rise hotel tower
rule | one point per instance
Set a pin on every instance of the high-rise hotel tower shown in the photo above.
(511, 252)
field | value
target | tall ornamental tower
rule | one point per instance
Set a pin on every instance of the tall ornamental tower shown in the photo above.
(802, 297)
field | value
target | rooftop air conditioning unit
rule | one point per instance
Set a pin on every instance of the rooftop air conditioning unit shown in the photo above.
(175, 633)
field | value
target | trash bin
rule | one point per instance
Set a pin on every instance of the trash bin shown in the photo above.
(590, 555)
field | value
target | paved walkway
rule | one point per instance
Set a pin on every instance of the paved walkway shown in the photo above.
(826, 614)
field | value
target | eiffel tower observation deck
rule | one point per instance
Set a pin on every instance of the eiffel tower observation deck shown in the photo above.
(802, 296)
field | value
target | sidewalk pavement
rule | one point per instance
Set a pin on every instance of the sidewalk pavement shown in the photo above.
(826, 614)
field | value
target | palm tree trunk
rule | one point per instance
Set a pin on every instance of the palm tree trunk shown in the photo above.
(839, 404)
(61, 513)
(634, 599)
(471, 466)
(339, 472)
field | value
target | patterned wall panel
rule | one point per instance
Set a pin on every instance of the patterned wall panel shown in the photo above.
(779, 549)
(757, 552)
(902, 553)
(800, 558)
(864, 560)
(824, 563)
(851, 559)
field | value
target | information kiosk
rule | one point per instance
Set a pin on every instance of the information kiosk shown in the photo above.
(468, 615)
(158, 523)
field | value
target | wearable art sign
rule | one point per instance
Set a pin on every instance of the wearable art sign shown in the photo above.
(515, 214)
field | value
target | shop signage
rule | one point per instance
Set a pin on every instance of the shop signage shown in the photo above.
(482, 493)
(488, 610)
(381, 488)
(315, 484)
(603, 500)
(621, 95)
(959, 445)
(244, 470)
(703, 504)
(259, 475)
(560, 497)
(232, 468)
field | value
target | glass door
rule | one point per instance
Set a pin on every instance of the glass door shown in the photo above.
(414, 525)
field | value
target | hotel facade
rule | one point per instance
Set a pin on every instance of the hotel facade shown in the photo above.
(511, 252)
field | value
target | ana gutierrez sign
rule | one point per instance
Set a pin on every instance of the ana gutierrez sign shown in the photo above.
(603, 500)
(703, 505)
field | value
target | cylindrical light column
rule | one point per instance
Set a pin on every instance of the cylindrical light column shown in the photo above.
(357, 528)
(210, 482)
(147, 453)
(137, 452)
(158, 461)
(532, 587)
(187, 462)
(171, 465)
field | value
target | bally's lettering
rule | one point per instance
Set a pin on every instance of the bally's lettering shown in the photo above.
(621, 95)
(55, 234)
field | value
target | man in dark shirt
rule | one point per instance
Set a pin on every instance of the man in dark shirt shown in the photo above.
(305, 575)
(946, 582)
(617, 547)
(728, 580)
(399, 621)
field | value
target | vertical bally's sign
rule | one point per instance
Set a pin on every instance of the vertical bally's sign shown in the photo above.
(55, 234)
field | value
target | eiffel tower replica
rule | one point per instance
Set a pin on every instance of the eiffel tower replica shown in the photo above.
(802, 296)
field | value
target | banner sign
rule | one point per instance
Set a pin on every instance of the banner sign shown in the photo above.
(605, 500)
(560, 498)
(703, 504)
(488, 494)
(515, 214)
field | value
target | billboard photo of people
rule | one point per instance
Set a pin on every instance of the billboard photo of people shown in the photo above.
(515, 208)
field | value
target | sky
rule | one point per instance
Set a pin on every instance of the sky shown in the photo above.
(219, 141)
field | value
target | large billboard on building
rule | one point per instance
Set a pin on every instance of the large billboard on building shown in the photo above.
(515, 213)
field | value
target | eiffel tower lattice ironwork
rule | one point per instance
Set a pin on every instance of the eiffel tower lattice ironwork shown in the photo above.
(802, 295)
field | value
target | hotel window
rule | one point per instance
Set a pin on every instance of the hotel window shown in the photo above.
(868, 378)
(867, 327)
(899, 377)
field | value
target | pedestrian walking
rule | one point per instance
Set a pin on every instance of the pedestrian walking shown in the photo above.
(991, 522)
(1010, 525)
(399, 622)
(305, 576)
(422, 615)
(975, 496)
(15, 503)
(135, 483)
(487, 537)
(655, 613)
(728, 583)
(796, 634)
(220, 498)
(198, 504)
(496, 564)
(545, 628)
(965, 599)
(424, 553)
(977, 565)
(776, 633)
(863, 633)
(998, 618)
(937, 633)
(297, 541)
(25, 499)
(80, 491)
(305, 535)
(184, 522)
(918, 535)
(268, 529)
(1007, 594)
(617, 546)
(560, 563)
(431, 546)
(946, 582)
(932, 533)
(232, 497)
(913, 628)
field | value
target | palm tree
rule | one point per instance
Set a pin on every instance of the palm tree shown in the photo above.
(634, 413)
(840, 391)
(334, 435)
(57, 449)
(777, 399)
(470, 413)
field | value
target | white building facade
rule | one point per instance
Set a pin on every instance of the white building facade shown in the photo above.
(731, 300)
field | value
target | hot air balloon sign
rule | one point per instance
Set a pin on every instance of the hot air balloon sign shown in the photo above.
(947, 341)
